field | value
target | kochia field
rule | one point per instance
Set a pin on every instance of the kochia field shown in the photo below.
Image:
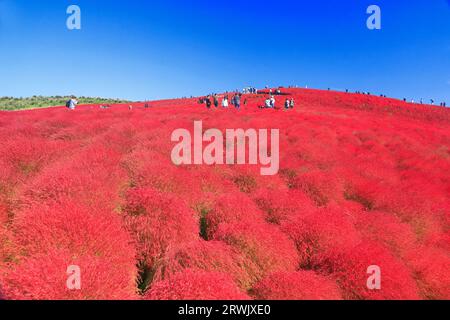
(363, 181)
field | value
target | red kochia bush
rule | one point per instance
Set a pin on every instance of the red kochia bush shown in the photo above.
(44, 277)
(27, 155)
(6, 246)
(94, 177)
(414, 205)
(6, 191)
(279, 206)
(321, 231)
(388, 230)
(53, 238)
(440, 240)
(208, 256)
(196, 285)
(232, 208)
(300, 285)
(263, 243)
(320, 186)
(2, 295)
(3, 213)
(349, 267)
(158, 221)
(149, 168)
(6, 173)
(431, 271)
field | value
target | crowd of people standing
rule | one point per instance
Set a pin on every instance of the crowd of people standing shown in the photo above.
(213, 100)
(235, 99)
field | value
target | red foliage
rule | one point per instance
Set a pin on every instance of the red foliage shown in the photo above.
(208, 256)
(300, 285)
(321, 187)
(6, 192)
(7, 249)
(44, 277)
(363, 180)
(92, 178)
(29, 156)
(152, 169)
(350, 266)
(424, 209)
(231, 208)
(3, 213)
(157, 222)
(318, 232)
(196, 285)
(52, 238)
(440, 240)
(6, 175)
(264, 244)
(280, 206)
(431, 270)
(2, 295)
(387, 230)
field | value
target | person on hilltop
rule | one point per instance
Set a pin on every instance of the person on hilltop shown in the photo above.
(237, 101)
(225, 102)
(208, 102)
(287, 104)
(272, 102)
(72, 103)
(268, 103)
(292, 103)
(216, 101)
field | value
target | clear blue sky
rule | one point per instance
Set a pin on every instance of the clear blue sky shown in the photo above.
(139, 49)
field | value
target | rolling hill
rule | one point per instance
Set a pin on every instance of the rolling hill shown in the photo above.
(363, 181)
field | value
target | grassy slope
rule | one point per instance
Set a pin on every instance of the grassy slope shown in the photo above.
(9, 103)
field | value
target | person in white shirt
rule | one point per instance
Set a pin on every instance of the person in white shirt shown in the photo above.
(72, 103)
(225, 102)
